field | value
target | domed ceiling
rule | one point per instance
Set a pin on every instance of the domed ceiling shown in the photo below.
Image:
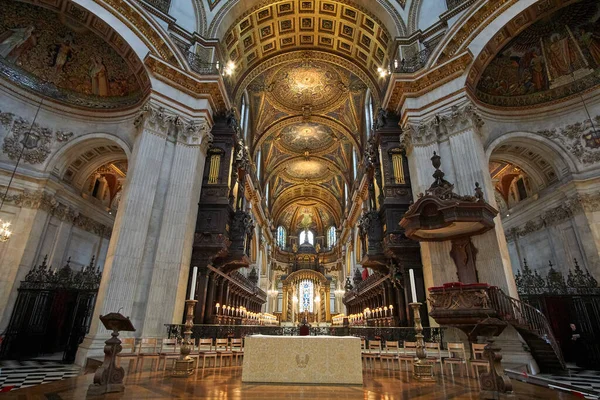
(306, 137)
(306, 84)
(69, 55)
(550, 60)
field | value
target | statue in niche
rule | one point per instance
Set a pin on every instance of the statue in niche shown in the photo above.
(14, 42)
(98, 76)
(63, 53)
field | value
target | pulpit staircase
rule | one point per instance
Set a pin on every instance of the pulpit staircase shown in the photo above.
(533, 327)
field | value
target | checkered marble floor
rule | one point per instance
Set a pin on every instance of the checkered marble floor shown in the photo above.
(20, 374)
(586, 380)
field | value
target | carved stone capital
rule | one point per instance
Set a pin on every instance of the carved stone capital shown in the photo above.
(154, 118)
(455, 120)
(196, 133)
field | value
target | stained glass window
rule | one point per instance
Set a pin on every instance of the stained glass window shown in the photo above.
(331, 239)
(306, 295)
(281, 237)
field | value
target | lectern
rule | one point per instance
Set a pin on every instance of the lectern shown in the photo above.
(109, 377)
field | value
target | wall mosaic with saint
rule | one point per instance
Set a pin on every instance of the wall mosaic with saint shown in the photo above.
(56, 49)
(553, 58)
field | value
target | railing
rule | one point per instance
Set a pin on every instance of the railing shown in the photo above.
(248, 285)
(162, 5)
(414, 63)
(452, 4)
(202, 67)
(384, 333)
(523, 315)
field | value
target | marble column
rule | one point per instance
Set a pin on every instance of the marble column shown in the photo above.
(147, 264)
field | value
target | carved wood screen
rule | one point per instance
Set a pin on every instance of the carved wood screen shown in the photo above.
(564, 301)
(52, 312)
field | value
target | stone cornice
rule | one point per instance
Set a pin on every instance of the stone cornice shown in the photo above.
(212, 88)
(456, 119)
(577, 204)
(403, 86)
(48, 202)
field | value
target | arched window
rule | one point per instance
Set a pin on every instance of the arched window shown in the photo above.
(369, 114)
(306, 295)
(258, 163)
(354, 162)
(331, 236)
(281, 237)
(304, 238)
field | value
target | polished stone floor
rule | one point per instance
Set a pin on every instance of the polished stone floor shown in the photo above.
(226, 384)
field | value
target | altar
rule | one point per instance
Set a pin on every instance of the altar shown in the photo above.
(302, 359)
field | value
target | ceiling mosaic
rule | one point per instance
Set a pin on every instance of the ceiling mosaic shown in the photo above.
(306, 137)
(343, 29)
(71, 56)
(554, 58)
(307, 170)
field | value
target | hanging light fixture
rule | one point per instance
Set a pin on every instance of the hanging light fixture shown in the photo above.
(5, 232)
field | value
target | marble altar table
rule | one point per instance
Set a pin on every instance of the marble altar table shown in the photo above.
(302, 359)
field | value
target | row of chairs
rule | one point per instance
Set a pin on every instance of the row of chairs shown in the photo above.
(391, 351)
(137, 351)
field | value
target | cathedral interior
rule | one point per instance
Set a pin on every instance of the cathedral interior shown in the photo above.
(418, 172)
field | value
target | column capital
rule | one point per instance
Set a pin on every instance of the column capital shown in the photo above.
(439, 127)
(174, 126)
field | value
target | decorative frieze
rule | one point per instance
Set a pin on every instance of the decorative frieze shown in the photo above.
(172, 126)
(441, 126)
(579, 203)
(49, 203)
(580, 139)
(34, 141)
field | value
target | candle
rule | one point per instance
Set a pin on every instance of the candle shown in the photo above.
(218, 305)
(413, 288)
(193, 288)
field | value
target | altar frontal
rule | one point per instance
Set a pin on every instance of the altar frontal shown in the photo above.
(302, 359)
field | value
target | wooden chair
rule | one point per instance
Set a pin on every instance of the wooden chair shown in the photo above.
(457, 355)
(223, 351)
(237, 348)
(391, 352)
(434, 354)
(372, 353)
(206, 352)
(478, 360)
(169, 350)
(147, 349)
(128, 353)
(409, 352)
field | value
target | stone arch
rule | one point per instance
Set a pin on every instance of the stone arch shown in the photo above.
(140, 30)
(302, 274)
(94, 165)
(561, 160)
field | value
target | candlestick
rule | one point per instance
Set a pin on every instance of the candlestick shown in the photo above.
(413, 287)
(193, 288)
(421, 369)
(184, 366)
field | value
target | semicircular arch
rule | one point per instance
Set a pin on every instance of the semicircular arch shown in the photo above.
(329, 164)
(303, 274)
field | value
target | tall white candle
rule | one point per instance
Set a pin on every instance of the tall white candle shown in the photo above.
(413, 287)
(193, 289)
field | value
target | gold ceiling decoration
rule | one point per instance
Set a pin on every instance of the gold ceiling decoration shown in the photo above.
(302, 193)
(333, 26)
(307, 86)
(306, 137)
(303, 169)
